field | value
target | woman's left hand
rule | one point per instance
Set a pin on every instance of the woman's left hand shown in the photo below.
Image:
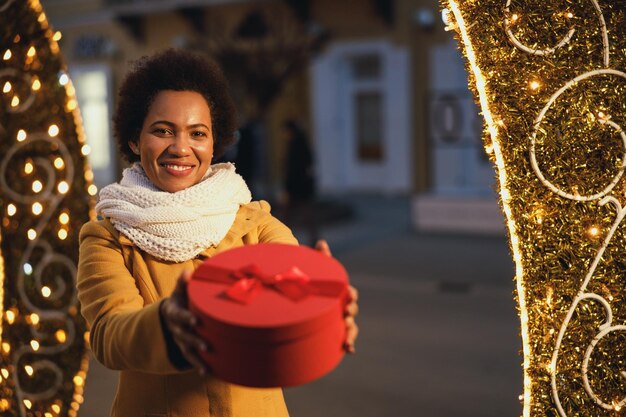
(352, 308)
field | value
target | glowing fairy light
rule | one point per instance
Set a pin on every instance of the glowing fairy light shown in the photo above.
(36, 85)
(63, 79)
(28, 268)
(60, 335)
(15, 101)
(34, 345)
(7, 87)
(21, 135)
(535, 85)
(11, 209)
(58, 163)
(37, 186)
(7, 55)
(92, 189)
(53, 130)
(63, 187)
(31, 52)
(37, 208)
(29, 370)
(46, 291)
(34, 318)
(28, 404)
(32, 234)
(10, 317)
(64, 218)
(62, 234)
(57, 36)
(28, 168)
(85, 150)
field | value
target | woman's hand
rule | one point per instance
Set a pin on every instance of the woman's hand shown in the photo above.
(352, 308)
(180, 322)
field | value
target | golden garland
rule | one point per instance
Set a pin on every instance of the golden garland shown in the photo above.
(46, 194)
(551, 82)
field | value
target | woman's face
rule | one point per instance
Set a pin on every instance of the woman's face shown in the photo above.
(176, 141)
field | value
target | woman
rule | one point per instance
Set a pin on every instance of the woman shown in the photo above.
(171, 210)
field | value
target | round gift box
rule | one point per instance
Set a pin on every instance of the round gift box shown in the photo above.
(273, 339)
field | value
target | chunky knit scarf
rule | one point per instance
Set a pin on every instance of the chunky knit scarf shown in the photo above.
(174, 226)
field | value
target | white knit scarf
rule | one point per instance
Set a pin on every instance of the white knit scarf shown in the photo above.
(174, 226)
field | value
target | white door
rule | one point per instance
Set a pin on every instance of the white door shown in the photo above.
(360, 113)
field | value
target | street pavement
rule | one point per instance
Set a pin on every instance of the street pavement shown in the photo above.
(439, 329)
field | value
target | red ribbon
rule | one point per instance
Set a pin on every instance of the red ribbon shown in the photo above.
(247, 282)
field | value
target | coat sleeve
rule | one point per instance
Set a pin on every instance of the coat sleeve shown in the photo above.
(126, 334)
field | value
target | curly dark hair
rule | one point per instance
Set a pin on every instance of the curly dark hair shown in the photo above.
(176, 70)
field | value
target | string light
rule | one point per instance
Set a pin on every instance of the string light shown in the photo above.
(85, 150)
(11, 209)
(34, 318)
(62, 234)
(32, 234)
(63, 79)
(64, 218)
(58, 163)
(37, 186)
(37, 209)
(29, 370)
(7, 87)
(63, 187)
(7, 55)
(46, 291)
(552, 245)
(15, 101)
(36, 85)
(53, 130)
(10, 317)
(28, 168)
(57, 36)
(21, 135)
(31, 52)
(60, 335)
(92, 189)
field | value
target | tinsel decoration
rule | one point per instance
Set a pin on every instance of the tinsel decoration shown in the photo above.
(549, 78)
(46, 194)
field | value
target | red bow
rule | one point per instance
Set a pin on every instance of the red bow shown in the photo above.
(247, 282)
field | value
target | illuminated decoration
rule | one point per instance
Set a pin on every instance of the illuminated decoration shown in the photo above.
(45, 185)
(549, 78)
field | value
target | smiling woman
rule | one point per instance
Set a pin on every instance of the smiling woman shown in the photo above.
(171, 210)
(175, 145)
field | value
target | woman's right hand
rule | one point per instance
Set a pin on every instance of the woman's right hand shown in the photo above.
(180, 323)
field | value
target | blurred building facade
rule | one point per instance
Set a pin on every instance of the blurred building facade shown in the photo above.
(379, 85)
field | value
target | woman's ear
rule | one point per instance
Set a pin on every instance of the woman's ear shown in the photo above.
(134, 147)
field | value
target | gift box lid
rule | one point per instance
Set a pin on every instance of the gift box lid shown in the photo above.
(294, 291)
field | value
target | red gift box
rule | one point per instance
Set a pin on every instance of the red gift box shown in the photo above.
(273, 314)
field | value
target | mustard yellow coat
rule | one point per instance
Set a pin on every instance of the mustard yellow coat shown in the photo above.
(119, 288)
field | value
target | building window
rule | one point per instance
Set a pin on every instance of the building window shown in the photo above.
(369, 132)
(92, 92)
(367, 103)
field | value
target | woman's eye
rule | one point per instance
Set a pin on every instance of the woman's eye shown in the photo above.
(163, 131)
(198, 134)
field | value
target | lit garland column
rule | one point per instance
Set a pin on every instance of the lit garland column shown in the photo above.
(46, 194)
(551, 82)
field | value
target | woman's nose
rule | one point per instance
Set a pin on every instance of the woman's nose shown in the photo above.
(180, 145)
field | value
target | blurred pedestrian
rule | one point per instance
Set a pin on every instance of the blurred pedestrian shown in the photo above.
(299, 180)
